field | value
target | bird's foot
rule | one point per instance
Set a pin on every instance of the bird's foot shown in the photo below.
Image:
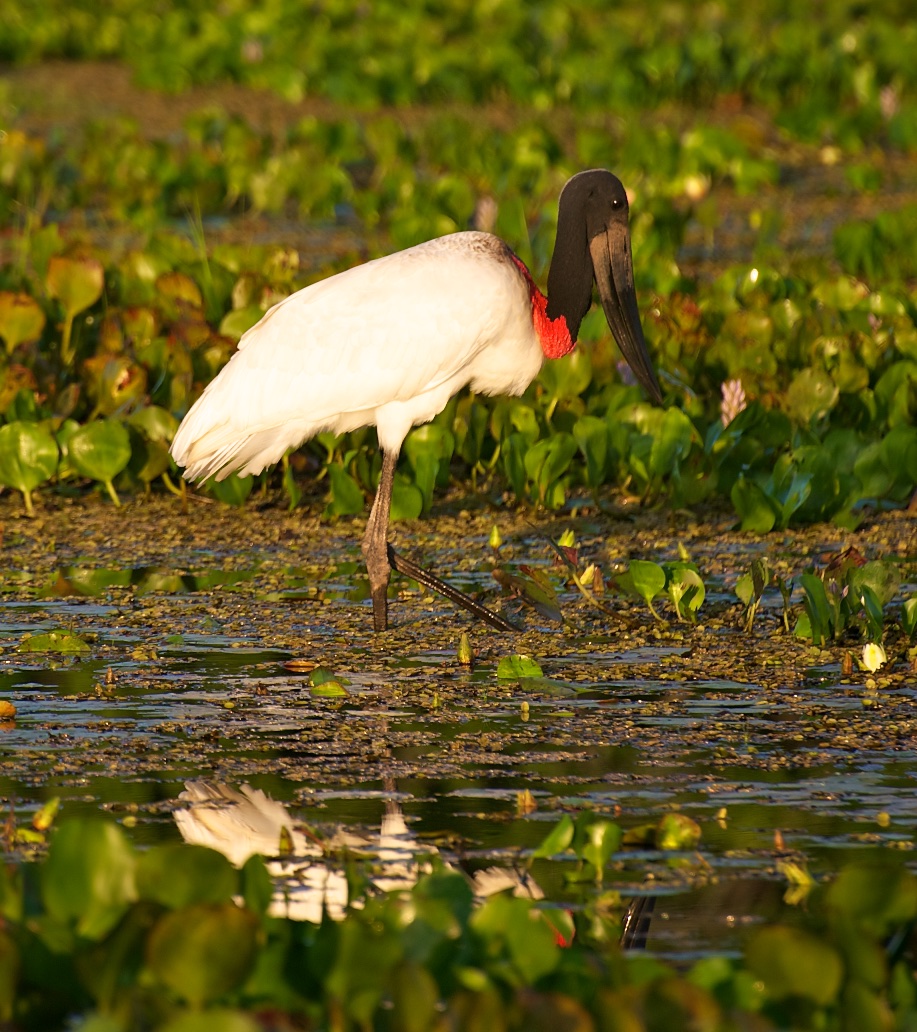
(431, 581)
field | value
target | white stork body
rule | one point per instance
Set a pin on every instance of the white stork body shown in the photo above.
(386, 343)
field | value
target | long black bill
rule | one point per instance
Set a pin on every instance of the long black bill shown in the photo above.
(614, 277)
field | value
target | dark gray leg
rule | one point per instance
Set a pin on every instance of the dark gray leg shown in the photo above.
(375, 543)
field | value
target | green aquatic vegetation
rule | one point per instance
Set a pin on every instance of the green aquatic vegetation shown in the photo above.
(848, 594)
(21, 319)
(100, 450)
(175, 936)
(28, 457)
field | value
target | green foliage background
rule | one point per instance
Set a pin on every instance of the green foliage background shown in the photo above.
(412, 114)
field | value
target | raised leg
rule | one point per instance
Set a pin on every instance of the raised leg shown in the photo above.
(375, 542)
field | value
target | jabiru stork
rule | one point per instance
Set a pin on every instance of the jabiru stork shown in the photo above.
(388, 343)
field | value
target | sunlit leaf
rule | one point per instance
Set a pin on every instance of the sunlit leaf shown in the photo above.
(21, 319)
(89, 876)
(100, 450)
(28, 457)
(76, 282)
(516, 666)
(53, 641)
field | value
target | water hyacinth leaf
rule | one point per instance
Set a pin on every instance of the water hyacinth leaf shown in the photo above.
(671, 442)
(677, 831)
(532, 587)
(646, 578)
(213, 1019)
(89, 876)
(180, 291)
(513, 667)
(407, 500)
(76, 282)
(428, 449)
(591, 436)
(821, 615)
(602, 839)
(232, 490)
(178, 875)
(877, 896)
(28, 457)
(685, 589)
(114, 382)
(513, 451)
(239, 320)
(752, 506)
(53, 641)
(507, 921)
(203, 951)
(154, 422)
(792, 963)
(811, 395)
(100, 451)
(547, 460)
(327, 690)
(347, 497)
(21, 319)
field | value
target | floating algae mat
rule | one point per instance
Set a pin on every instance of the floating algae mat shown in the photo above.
(149, 647)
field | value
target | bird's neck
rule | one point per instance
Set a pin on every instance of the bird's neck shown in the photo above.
(553, 334)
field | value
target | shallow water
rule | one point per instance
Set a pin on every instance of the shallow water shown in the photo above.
(188, 676)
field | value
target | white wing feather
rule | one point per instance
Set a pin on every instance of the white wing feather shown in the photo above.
(385, 343)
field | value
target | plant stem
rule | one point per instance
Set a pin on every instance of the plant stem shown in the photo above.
(112, 494)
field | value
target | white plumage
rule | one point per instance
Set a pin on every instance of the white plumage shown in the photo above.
(385, 343)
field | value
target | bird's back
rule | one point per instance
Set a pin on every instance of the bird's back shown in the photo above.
(385, 343)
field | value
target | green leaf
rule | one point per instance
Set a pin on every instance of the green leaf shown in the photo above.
(671, 442)
(100, 451)
(203, 951)
(792, 963)
(511, 668)
(603, 838)
(232, 490)
(346, 495)
(21, 319)
(76, 282)
(53, 641)
(547, 460)
(557, 840)
(821, 614)
(676, 831)
(28, 457)
(811, 395)
(407, 500)
(503, 919)
(213, 1019)
(177, 875)
(591, 436)
(648, 579)
(89, 876)
(753, 506)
